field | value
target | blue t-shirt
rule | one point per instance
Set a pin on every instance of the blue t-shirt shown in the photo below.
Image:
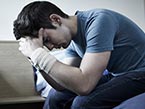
(102, 30)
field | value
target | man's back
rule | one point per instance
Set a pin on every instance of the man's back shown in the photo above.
(105, 30)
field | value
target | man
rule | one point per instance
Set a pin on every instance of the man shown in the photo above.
(95, 40)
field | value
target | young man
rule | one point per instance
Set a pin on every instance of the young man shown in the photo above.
(95, 40)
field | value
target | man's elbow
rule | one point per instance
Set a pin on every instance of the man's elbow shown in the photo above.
(82, 91)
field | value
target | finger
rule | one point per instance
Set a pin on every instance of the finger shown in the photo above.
(21, 43)
(20, 48)
(22, 39)
(40, 33)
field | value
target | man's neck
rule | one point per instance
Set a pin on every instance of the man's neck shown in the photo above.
(72, 24)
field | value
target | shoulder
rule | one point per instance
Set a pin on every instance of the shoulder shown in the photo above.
(94, 12)
(86, 18)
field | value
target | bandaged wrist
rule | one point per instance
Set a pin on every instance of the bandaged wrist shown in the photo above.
(42, 60)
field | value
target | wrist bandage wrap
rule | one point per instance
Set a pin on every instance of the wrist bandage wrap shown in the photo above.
(42, 60)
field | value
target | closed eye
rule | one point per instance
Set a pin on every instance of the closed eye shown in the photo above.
(45, 40)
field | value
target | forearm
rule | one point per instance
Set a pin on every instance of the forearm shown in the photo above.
(72, 78)
(51, 82)
(69, 77)
(80, 80)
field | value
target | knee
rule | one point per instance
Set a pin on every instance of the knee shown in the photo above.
(79, 103)
(51, 100)
(52, 97)
(136, 102)
(86, 102)
(124, 106)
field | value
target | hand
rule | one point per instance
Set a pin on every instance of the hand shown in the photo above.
(28, 45)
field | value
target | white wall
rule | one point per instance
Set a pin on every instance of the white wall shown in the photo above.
(9, 9)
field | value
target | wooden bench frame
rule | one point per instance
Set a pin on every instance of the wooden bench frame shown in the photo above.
(17, 89)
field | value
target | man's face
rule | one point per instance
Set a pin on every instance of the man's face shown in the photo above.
(56, 38)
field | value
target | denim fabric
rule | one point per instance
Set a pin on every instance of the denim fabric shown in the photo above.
(137, 102)
(41, 85)
(109, 92)
(35, 76)
(58, 99)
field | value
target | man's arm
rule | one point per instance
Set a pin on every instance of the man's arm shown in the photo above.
(81, 80)
(72, 61)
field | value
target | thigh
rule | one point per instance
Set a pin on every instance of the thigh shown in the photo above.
(137, 102)
(58, 99)
(113, 92)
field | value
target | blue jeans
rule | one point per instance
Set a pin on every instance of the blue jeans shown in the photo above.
(109, 92)
(137, 102)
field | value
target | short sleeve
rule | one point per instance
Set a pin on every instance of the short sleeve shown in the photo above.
(70, 51)
(100, 33)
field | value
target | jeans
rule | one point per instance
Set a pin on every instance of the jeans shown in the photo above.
(109, 92)
(137, 102)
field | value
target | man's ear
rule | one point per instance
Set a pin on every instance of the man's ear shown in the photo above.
(55, 19)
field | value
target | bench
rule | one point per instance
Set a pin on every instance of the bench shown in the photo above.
(17, 89)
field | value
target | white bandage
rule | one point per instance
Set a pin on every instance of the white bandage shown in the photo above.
(42, 60)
